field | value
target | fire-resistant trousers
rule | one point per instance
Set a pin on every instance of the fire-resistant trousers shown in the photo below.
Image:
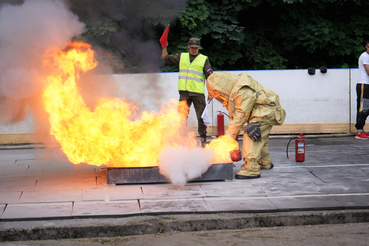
(256, 154)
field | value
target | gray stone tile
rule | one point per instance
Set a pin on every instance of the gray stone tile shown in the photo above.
(55, 183)
(20, 156)
(365, 170)
(51, 196)
(7, 197)
(124, 192)
(290, 188)
(108, 193)
(340, 174)
(6, 163)
(37, 210)
(235, 188)
(344, 187)
(49, 165)
(353, 200)
(106, 208)
(96, 194)
(173, 205)
(238, 204)
(304, 202)
(101, 181)
(13, 170)
(17, 183)
(287, 169)
(172, 191)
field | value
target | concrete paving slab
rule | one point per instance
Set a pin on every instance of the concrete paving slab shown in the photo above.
(338, 187)
(56, 195)
(98, 208)
(305, 202)
(37, 210)
(365, 169)
(275, 176)
(12, 169)
(255, 204)
(10, 196)
(291, 188)
(124, 192)
(50, 182)
(235, 188)
(17, 183)
(171, 191)
(287, 168)
(173, 205)
(17, 154)
(352, 200)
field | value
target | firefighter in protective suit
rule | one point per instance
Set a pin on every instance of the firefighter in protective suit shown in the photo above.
(248, 102)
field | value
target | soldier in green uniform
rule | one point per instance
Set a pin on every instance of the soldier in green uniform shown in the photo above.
(194, 69)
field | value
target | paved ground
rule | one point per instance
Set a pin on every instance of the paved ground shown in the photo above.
(43, 196)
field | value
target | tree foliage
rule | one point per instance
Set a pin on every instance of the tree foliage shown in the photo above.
(235, 34)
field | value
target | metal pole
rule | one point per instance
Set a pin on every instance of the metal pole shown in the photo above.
(350, 100)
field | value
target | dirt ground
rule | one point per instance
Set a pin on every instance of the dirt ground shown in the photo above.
(342, 234)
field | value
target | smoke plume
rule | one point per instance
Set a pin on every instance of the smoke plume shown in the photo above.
(181, 164)
(27, 31)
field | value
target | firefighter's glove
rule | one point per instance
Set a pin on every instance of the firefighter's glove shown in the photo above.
(253, 131)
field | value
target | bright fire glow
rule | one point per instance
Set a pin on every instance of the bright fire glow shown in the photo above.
(109, 134)
(222, 146)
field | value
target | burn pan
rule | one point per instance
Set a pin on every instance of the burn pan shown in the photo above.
(142, 175)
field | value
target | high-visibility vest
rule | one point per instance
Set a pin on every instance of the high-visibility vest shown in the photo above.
(191, 76)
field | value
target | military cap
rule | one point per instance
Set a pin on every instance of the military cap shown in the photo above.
(194, 42)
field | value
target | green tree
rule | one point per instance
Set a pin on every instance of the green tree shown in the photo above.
(235, 34)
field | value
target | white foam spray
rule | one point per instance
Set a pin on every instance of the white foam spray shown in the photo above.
(181, 164)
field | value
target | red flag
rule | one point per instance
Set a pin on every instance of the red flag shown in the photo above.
(164, 37)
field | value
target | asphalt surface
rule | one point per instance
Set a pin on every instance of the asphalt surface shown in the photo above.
(43, 196)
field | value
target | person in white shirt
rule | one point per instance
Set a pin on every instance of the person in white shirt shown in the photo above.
(362, 92)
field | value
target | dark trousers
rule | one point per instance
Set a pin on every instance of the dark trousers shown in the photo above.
(199, 104)
(362, 91)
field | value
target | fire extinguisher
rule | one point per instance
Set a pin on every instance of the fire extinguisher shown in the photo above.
(299, 148)
(220, 122)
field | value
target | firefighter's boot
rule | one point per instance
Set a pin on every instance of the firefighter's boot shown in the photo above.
(250, 170)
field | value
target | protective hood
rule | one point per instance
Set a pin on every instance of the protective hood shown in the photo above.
(221, 82)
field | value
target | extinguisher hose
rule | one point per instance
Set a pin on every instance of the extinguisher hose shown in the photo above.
(288, 145)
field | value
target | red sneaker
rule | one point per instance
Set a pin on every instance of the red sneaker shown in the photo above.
(366, 133)
(362, 135)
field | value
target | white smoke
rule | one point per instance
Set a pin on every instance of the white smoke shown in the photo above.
(27, 31)
(181, 164)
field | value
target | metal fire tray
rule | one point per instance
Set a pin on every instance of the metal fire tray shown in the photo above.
(142, 175)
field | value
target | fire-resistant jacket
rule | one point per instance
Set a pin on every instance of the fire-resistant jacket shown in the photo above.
(191, 75)
(246, 99)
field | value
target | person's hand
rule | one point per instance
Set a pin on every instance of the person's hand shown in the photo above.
(253, 131)
(235, 155)
(164, 52)
(209, 98)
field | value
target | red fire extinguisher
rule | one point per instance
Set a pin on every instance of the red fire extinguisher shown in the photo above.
(220, 122)
(299, 148)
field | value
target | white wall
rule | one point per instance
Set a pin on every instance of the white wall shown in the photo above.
(319, 98)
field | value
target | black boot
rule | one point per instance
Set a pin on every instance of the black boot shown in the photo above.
(203, 140)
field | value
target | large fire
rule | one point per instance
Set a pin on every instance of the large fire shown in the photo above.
(111, 133)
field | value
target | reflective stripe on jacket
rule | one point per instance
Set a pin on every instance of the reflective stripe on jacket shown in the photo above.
(191, 75)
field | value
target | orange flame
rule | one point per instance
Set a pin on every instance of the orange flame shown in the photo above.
(108, 134)
(222, 146)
